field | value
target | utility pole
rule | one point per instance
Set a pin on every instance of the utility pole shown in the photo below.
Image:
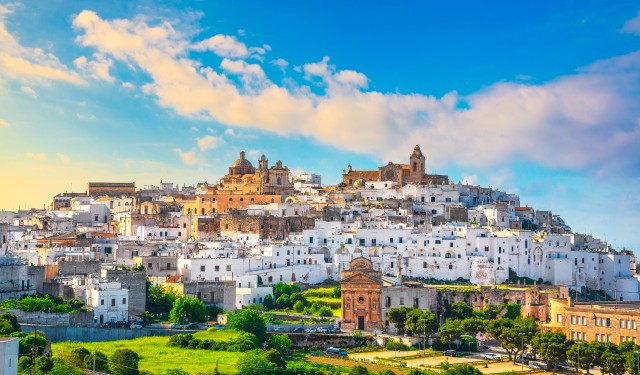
(94, 360)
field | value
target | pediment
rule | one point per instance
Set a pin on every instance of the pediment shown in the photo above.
(361, 278)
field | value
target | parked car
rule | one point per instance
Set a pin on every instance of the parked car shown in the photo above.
(278, 329)
(536, 366)
(519, 359)
(220, 326)
(309, 330)
(175, 326)
(449, 353)
(322, 330)
(192, 326)
(529, 355)
(298, 329)
(492, 357)
(136, 325)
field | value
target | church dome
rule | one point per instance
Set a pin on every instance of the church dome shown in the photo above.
(242, 162)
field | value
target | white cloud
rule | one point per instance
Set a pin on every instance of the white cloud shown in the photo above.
(3, 123)
(470, 180)
(29, 64)
(585, 120)
(188, 157)
(228, 46)
(230, 132)
(208, 142)
(64, 158)
(128, 85)
(242, 32)
(632, 26)
(88, 117)
(98, 68)
(280, 63)
(29, 91)
(35, 156)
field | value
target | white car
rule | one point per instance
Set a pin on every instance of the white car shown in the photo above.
(492, 357)
(322, 330)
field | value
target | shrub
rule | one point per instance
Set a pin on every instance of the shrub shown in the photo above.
(193, 344)
(188, 310)
(396, 346)
(244, 342)
(124, 362)
(325, 311)
(43, 364)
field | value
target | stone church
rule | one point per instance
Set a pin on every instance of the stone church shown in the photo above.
(402, 174)
(361, 295)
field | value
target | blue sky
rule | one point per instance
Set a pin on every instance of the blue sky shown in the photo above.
(540, 99)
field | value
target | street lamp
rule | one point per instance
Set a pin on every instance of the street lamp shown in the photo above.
(522, 349)
(578, 358)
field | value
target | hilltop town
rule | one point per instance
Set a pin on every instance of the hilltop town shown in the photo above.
(388, 238)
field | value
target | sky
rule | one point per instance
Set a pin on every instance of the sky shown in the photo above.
(541, 99)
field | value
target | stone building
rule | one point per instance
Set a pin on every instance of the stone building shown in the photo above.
(361, 292)
(135, 282)
(402, 174)
(267, 227)
(615, 321)
(219, 293)
(111, 189)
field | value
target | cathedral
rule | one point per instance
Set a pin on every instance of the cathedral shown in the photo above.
(244, 178)
(402, 174)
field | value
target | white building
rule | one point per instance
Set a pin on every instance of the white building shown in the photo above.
(108, 300)
(9, 350)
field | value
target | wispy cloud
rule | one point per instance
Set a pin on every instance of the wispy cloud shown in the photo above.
(230, 132)
(83, 117)
(29, 91)
(208, 142)
(35, 156)
(64, 158)
(187, 157)
(97, 68)
(632, 26)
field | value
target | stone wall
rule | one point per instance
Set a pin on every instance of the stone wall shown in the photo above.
(324, 340)
(45, 318)
(96, 334)
(267, 227)
(88, 267)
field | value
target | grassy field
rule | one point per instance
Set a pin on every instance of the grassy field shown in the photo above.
(156, 357)
(324, 296)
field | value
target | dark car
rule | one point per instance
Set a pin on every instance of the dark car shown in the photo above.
(449, 353)
(298, 329)
(519, 359)
(192, 326)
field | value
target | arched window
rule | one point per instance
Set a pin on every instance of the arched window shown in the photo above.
(279, 181)
(415, 166)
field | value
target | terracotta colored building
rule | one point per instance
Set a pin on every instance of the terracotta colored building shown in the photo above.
(361, 293)
(111, 189)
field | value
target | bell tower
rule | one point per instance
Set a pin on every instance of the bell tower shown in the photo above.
(416, 164)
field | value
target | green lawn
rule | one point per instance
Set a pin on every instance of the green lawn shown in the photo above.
(156, 357)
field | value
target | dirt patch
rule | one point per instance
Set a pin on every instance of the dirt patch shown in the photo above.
(352, 363)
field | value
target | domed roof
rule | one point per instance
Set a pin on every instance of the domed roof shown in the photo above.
(242, 162)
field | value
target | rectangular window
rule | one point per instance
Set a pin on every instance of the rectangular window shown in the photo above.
(387, 302)
(217, 268)
(584, 320)
(150, 265)
(228, 267)
(202, 268)
(559, 318)
(124, 301)
(373, 242)
(101, 302)
(310, 239)
(113, 301)
(633, 324)
(424, 264)
(399, 239)
(608, 322)
(401, 300)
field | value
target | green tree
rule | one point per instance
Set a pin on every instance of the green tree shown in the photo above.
(631, 361)
(64, 369)
(450, 331)
(398, 316)
(253, 363)
(36, 339)
(325, 311)
(102, 362)
(43, 364)
(188, 310)
(244, 342)
(281, 343)
(12, 319)
(463, 369)
(495, 327)
(299, 306)
(124, 362)
(386, 372)
(248, 321)
(516, 339)
(160, 299)
(552, 347)
(282, 288)
(583, 354)
(421, 322)
(459, 311)
(612, 363)
(283, 301)
(513, 311)
(472, 326)
(268, 302)
(275, 359)
(25, 363)
(5, 328)
(358, 370)
(297, 297)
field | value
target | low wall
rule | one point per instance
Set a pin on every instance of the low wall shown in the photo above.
(45, 318)
(88, 334)
(324, 340)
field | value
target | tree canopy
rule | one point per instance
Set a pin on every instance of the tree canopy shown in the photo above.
(248, 321)
(188, 310)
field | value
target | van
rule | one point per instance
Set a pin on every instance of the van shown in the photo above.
(336, 352)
